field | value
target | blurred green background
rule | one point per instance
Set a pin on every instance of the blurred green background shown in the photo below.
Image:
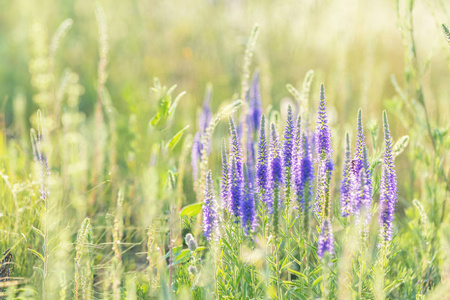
(354, 47)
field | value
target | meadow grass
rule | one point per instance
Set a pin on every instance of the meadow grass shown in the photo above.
(112, 190)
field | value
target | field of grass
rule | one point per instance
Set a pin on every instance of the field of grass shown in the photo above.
(224, 149)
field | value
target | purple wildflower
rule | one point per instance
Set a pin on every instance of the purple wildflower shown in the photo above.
(41, 157)
(196, 154)
(203, 122)
(251, 155)
(276, 162)
(237, 176)
(275, 178)
(360, 141)
(288, 148)
(255, 104)
(324, 159)
(236, 149)
(304, 175)
(326, 240)
(388, 188)
(323, 205)
(206, 113)
(367, 182)
(297, 160)
(357, 165)
(210, 218)
(346, 204)
(225, 180)
(263, 162)
(236, 185)
(248, 205)
(323, 133)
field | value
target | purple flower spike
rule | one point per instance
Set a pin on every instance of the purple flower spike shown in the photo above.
(357, 165)
(210, 217)
(323, 133)
(255, 104)
(276, 178)
(388, 188)
(367, 182)
(288, 148)
(276, 165)
(306, 173)
(206, 113)
(237, 185)
(326, 240)
(360, 141)
(262, 163)
(251, 155)
(322, 207)
(248, 205)
(346, 203)
(324, 159)
(225, 180)
(196, 154)
(275, 171)
(237, 176)
(203, 122)
(236, 149)
(41, 158)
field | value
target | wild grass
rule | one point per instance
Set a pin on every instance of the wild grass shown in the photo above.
(104, 183)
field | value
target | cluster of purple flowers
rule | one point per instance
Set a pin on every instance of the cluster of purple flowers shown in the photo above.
(356, 186)
(285, 170)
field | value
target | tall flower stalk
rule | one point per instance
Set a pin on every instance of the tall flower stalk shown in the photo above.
(210, 217)
(225, 180)
(323, 159)
(304, 173)
(346, 205)
(288, 148)
(388, 188)
(262, 164)
(204, 119)
(275, 178)
(324, 172)
(248, 205)
(236, 171)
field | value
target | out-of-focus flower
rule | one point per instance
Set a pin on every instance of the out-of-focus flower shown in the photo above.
(210, 217)
(326, 239)
(388, 188)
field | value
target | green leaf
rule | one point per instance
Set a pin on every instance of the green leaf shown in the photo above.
(182, 257)
(37, 254)
(446, 33)
(298, 274)
(175, 102)
(318, 280)
(37, 231)
(175, 252)
(176, 138)
(400, 145)
(191, 210)
(155, 119)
